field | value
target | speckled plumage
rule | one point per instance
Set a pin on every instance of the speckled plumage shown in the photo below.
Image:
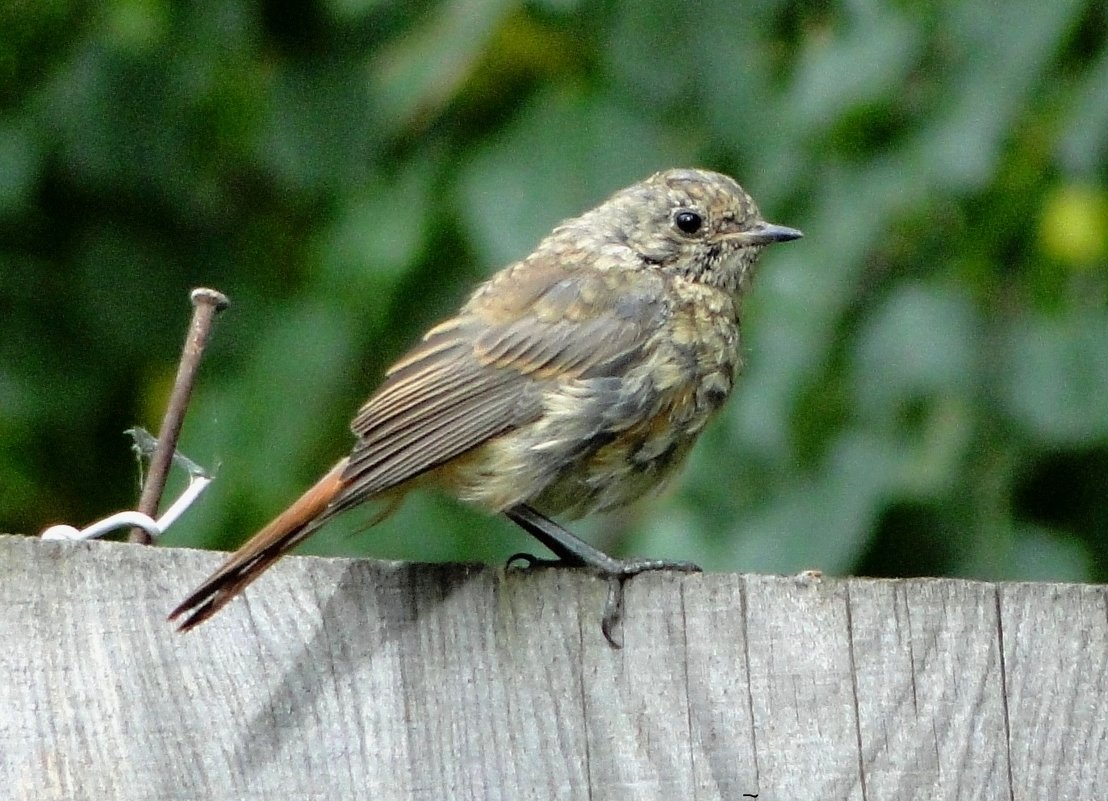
(573, 381)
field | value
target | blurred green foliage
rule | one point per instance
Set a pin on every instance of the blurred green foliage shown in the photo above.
(927, 381)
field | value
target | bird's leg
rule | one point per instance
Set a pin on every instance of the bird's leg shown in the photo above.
(573, 551)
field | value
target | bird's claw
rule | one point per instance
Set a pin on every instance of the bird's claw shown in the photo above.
(613, 604)
(613, 611)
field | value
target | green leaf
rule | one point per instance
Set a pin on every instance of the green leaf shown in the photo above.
(1038, 554)
(379, 232)
(992, 76)
(20, 164)
(921, 342)
(867, 61)
(566, 152)
(415, 76)
(822, 521)
(1057, 377)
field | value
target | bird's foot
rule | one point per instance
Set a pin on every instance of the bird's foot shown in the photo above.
(572, 551)
(623, 570)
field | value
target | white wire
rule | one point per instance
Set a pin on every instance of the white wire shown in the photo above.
(155, 528)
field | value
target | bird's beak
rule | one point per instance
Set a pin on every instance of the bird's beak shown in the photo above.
(765, 233)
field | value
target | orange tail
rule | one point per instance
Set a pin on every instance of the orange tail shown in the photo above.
(283, 533)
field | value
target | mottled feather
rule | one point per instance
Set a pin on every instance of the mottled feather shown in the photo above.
(442, 399)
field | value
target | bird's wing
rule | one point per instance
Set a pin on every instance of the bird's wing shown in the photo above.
(484, 372)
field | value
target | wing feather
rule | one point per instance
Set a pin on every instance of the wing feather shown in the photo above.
(484, 372)
(450, 440)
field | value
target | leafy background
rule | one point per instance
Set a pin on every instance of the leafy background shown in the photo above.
(927, 382)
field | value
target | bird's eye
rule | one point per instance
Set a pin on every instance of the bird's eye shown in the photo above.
(688, 221)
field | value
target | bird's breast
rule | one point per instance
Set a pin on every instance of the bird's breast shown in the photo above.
(603, 442)
(692, 370)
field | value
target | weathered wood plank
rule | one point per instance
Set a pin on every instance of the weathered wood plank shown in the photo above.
(801, 687)
(720, 710)
(1055, 642)
(930, 689)
(355, 679)
(635, 709)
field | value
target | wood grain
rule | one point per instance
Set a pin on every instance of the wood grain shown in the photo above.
(354, 679)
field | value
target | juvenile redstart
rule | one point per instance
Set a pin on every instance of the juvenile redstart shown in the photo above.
(573, 381)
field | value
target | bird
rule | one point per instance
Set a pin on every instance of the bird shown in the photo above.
(571, 382)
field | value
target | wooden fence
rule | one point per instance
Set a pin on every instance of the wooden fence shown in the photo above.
(353, 679)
